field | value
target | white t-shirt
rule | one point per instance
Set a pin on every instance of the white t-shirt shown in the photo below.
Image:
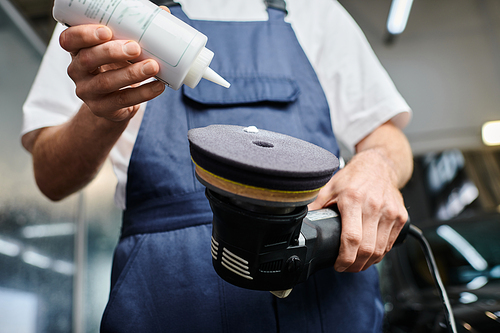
(359, 91)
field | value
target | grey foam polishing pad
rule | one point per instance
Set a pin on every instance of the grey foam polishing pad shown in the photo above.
(261, 158)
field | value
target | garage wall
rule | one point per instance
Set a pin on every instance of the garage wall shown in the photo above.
(446, 64)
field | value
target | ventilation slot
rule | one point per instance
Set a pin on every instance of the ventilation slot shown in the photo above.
(214, 248)
(235, 264)
(271, 267)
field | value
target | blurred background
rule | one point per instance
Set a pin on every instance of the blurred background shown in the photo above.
(55, 258)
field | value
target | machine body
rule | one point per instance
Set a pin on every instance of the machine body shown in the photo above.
(258, 184)
(270, 251)
(265, 251)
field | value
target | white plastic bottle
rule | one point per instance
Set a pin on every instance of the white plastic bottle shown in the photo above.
(178, 48)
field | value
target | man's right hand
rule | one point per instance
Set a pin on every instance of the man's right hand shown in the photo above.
(67, 157)
(106, 79)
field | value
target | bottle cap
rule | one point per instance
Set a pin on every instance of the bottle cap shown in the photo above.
(200, 69)
(211, 75)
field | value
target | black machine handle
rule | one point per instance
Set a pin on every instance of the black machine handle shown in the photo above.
(321, 231)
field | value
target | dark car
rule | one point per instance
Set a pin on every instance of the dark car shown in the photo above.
(467, 253)
(455, 204)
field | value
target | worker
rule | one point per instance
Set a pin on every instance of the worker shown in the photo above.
(303, 69)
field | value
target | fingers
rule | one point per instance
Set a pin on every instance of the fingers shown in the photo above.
(321, 201)
(379, 245)
(377, 224)
(83, 36)
(350, 237)
(91, 85)
(120, 102)
(372, 210)
(326, 196)
(367, 237)
(89, 60)
(104, 76)
(399, 223)
(108, 92)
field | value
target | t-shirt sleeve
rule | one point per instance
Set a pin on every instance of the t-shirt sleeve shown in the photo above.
(360, 93)
(51, 100)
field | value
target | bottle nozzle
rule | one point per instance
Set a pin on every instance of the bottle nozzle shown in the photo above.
(211, 75)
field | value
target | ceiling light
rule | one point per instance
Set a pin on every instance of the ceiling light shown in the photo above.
(63, 267)
(491, 133)
(49, 230)
(9, 248)
(36, 259)
(398, 16)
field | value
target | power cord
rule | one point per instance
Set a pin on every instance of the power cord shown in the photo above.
(431, 263)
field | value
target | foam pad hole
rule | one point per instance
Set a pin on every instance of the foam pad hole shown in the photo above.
(263, 144)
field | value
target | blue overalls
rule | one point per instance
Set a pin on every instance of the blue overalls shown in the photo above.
(162, 278)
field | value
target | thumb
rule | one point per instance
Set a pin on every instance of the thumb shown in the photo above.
(318, 203)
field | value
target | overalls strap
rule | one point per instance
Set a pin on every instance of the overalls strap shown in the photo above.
(276, 4)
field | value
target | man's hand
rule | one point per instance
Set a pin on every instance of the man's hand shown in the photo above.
(105, 78)
(367, 195)
(67, 157)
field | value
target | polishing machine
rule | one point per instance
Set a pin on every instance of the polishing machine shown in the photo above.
(258, 184)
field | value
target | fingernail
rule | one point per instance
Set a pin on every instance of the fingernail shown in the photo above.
(103, 33)
(158, 87)
(131, 48)
(148, 68)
